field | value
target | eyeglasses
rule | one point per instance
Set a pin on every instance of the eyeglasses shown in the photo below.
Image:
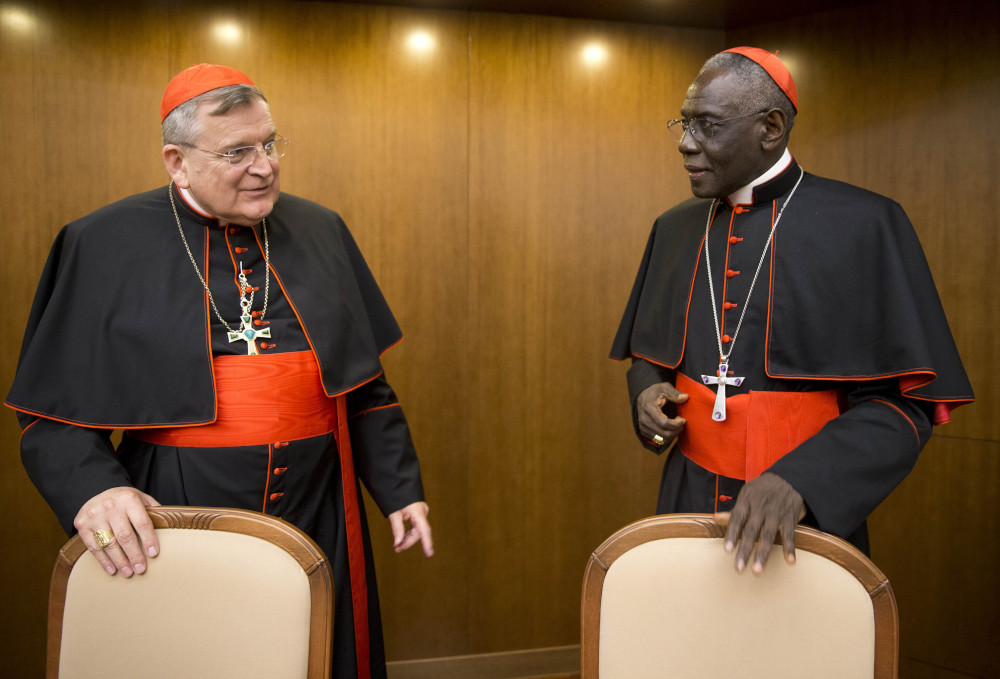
(245, 155)
(701, 128)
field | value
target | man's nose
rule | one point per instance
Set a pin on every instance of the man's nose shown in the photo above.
(261, 164)
(687, 144)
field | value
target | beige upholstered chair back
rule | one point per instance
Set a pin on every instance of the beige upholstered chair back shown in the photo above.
(233, 593)
(661, 599)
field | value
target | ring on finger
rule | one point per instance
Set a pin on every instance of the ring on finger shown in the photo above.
(658, 440)
(105, 538)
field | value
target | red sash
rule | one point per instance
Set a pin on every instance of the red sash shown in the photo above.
(759, 429)
(273, 398)
(260, 399)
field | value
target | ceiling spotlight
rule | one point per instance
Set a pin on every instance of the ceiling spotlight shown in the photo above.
(17, 19)
(228, 32)
(421, 42)
(594, 54)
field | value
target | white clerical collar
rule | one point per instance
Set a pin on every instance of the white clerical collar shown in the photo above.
(189, 199)
(745, 195)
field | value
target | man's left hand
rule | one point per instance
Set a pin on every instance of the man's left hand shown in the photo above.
(766, 508)
(420, 529)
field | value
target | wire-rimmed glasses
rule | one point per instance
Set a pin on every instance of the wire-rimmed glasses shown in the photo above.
(701, 128)
(245, 155)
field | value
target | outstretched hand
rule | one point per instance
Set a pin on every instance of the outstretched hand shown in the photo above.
(767, 508)
(419, 531)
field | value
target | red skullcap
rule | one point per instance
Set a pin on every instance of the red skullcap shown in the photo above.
(196, 80)
(777, 70)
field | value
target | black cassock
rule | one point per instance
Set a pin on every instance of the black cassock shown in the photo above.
(843, 300)
(122, 336)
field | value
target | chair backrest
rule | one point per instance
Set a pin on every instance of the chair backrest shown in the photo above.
(233, 593)
(662, 599)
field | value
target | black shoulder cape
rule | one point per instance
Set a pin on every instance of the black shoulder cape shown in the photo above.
(851, 296)
(118, 334)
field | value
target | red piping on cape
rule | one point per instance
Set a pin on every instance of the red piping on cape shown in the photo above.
(305, 331)
(687, 312)
(208, 351)
(908, 381)
(207, 315)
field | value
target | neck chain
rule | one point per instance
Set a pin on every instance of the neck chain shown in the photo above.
(246, 332)
(719, 412)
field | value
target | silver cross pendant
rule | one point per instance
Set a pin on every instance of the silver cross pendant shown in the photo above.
(719, 413)
(249, 335)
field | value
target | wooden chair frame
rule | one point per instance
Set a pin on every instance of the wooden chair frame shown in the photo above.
(276, 531)
(703, 526)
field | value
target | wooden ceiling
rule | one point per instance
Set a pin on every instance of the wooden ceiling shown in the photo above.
(712, 14)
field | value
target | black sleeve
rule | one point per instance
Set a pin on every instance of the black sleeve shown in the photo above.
(384, 457)
(858, 458)
(69, 465)
(641, 375)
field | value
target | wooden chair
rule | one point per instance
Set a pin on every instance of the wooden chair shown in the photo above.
(233, 593)
(662, 599)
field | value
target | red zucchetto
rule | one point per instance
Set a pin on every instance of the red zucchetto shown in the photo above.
(774, 67)
(196, 80)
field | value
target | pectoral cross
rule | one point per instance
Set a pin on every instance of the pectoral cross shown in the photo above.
(719, 414)
(249, 335)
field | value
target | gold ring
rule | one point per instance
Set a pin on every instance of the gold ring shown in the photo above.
(658, 440)
(104, 538)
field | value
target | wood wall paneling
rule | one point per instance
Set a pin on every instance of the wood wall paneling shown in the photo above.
(502, 193)
(934, 539)
(569, 165)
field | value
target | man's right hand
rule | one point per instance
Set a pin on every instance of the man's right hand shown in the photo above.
(121, 510)
(653, 421)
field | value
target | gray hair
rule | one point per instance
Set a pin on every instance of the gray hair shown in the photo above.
(181, 125)
(758, 91)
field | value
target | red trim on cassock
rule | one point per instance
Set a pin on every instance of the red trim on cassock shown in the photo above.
(30, 425)
(267, 480)
(376, 408)
(903, 415)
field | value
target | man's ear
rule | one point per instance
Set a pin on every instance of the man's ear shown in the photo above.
(175, 160)
(775, 127)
